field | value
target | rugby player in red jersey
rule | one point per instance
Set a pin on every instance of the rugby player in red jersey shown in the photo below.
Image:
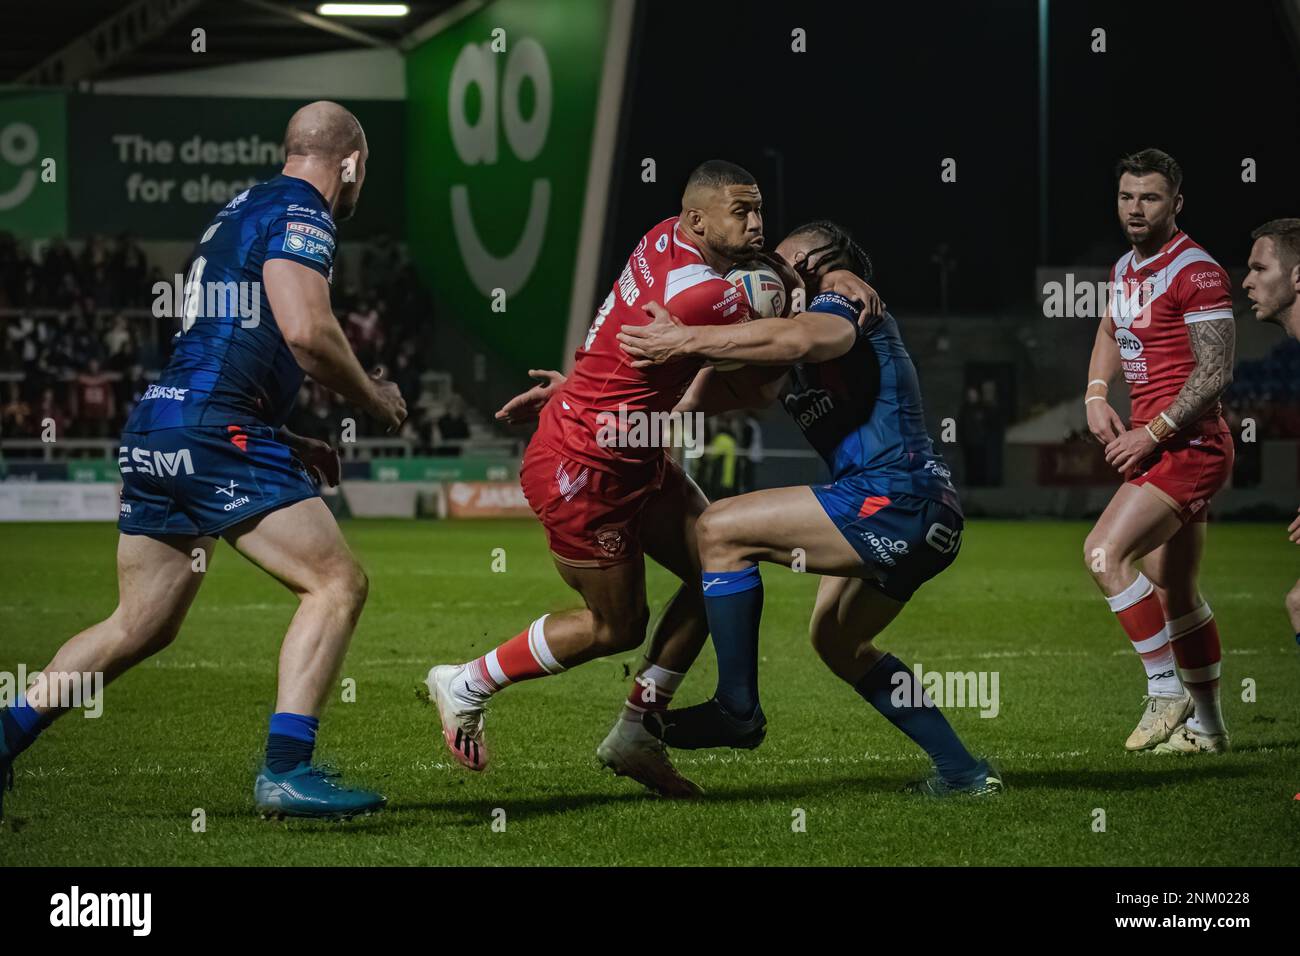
(1273, 284)
(599, 479)
(1169, 328)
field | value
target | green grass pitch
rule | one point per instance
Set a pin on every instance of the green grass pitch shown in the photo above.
(185, 729)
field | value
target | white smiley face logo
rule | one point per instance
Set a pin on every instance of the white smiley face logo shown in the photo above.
(18, 145)
(476, 143)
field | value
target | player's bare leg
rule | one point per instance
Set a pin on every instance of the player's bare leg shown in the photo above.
(302, 547)
(1138, 520)
(613, 622)
(848, 615)
(1293, 609)
(157, 582)
(668, 536)
(1174, 568)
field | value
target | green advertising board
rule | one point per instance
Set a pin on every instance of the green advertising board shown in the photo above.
(34, 171)
(159, 167)
(510, 113)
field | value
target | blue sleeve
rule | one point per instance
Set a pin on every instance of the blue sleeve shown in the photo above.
(836, 304)
(302, 235)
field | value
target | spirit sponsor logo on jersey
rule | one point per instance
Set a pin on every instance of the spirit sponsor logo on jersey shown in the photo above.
(661, 243)
(168, 393)
(159, 463)
(808, 407)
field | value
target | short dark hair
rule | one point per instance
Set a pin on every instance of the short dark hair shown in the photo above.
(716, 173)
(838, 250)
(1146, 161)
(1285, 234)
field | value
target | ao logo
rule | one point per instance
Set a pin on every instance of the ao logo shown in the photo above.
(477, 143)
(1130, 346)
(18, 143)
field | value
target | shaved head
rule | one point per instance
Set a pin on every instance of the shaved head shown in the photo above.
(325, 145)
(324, 130)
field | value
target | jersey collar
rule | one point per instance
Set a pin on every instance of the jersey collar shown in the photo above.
(324, 204)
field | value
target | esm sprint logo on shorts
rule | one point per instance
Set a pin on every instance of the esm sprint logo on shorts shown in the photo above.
(161, 464)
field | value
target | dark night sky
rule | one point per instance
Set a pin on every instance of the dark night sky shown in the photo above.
(862, 121)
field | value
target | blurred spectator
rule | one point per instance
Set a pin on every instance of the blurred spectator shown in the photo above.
(717, 469)
(973, 432)
(15, 414)
(93, 402)
(50, 412)
(452, 428)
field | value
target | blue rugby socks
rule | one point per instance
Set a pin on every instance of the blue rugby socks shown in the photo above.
(21, 724)
(733, 601)
(916, 716)
(290, 742)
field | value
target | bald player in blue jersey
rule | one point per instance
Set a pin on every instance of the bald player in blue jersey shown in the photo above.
(887, 522)
(205, 455)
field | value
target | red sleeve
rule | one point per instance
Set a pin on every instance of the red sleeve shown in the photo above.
(1203, 292)
(712, 302)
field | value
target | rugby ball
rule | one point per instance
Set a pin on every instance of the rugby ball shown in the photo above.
(763, 290)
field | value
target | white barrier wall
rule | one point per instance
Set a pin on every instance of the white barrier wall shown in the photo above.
(58, 501)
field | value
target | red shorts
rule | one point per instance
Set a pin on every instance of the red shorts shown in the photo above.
(1190, 470)
(592, 517)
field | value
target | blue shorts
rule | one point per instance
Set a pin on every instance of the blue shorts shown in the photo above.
(200, 480)
(902, 539)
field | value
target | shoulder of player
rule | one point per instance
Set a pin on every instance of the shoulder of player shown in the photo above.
(696, 294)
(1192, 266)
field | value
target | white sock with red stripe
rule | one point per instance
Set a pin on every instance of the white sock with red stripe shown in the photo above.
(652, 690)
(1195, 639)
(523, 657)
(1143, 619)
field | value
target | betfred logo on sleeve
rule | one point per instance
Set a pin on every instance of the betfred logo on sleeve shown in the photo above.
(309, 242)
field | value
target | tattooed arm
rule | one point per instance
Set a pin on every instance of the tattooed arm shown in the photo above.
(1214, 343)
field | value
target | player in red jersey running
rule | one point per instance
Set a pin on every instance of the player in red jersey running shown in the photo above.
(599, 479)
(1169, 328)
(1273, 284)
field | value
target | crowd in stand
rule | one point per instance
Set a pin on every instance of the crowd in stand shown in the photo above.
(79, 344)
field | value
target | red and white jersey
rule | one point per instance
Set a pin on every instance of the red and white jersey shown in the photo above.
(667, 268)
(1151, 304)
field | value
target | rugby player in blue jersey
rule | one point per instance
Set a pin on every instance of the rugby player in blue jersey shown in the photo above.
(205, 455)
(888, 521)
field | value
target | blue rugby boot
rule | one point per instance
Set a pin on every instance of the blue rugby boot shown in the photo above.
(984, 781)
(307, 791)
